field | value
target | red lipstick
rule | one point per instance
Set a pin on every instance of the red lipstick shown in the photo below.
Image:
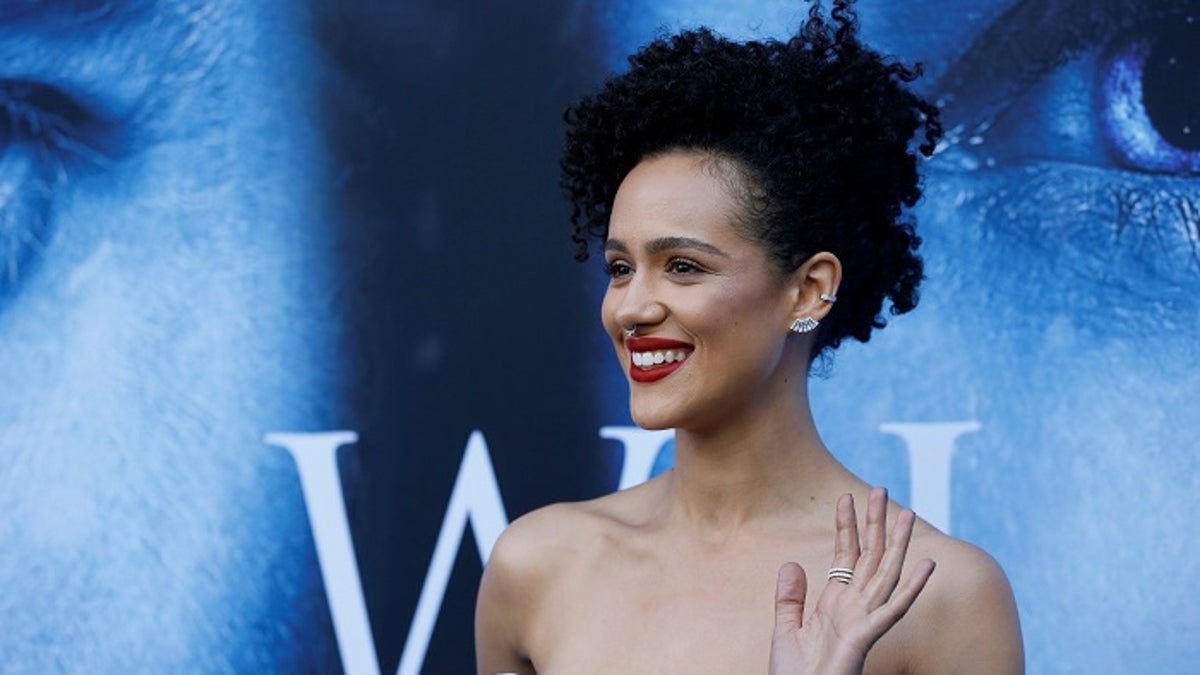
(650, 344)
(653, 374)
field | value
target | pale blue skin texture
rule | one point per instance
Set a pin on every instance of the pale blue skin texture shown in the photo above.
(1072, 344)
(173, 312)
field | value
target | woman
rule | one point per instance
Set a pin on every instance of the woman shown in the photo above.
(749, 198)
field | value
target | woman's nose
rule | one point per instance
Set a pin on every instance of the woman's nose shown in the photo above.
(639, 304)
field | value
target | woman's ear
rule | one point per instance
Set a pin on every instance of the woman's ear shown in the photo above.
(816, 285)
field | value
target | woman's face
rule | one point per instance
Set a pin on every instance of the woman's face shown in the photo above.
(711, 311)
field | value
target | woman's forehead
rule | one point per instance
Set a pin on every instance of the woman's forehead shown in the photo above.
(675, 191)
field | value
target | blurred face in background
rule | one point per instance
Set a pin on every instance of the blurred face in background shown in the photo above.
(188, 190)
(164, 302)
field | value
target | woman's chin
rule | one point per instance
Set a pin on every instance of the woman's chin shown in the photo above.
(652, 420)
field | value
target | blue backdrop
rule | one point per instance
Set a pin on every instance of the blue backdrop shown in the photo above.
(290, 326)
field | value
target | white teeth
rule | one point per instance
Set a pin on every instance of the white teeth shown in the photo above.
(651, 359)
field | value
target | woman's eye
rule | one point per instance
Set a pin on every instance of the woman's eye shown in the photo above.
(43, 133)
(617, 269)
(1149, 91)
(682, 266)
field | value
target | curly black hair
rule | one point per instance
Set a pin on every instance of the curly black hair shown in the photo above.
(821, 129)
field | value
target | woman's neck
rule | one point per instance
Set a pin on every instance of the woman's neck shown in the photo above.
(757, 465)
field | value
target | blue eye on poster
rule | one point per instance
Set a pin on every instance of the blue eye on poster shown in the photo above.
(290, 327)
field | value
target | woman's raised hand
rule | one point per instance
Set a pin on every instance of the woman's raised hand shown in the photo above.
(850, 615)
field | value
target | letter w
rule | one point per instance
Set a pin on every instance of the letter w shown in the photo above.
(475, 497)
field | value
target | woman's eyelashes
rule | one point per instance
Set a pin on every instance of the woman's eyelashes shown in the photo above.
(684, 267)
(44, 136)
(674, 266)
(617, 269)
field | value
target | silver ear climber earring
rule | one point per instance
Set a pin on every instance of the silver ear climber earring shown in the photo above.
(808, 324)
(805, 325)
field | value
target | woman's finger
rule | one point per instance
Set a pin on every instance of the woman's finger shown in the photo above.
(897, 606)
(881, 586)
(791, 589)
(875, 540)
(846, 549)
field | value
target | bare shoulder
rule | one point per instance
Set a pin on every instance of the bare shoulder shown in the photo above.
(527, 563)
(531, 551)
(966, 612)
(543, 540)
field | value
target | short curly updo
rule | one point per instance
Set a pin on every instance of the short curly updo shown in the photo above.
(821, 129)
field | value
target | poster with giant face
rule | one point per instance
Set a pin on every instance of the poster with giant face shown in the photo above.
(290, 326)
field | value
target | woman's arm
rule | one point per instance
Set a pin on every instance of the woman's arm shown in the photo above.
(505, 604)
(976, 629)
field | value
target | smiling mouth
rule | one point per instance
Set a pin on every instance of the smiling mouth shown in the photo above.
(653, 358)
(650, 360)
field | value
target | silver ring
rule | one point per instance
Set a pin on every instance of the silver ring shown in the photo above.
(829, 297)
(842, 574)
(631, 331)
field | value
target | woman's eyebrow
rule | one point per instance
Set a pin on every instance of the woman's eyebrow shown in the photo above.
(673, 243)
(1031, 40)
(667, 244)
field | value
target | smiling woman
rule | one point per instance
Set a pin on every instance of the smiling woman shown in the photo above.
(750, 198)
(684, 278)
(221, 219)
(1061, 232)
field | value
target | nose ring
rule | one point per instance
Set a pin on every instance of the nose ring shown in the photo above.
(630, 331)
